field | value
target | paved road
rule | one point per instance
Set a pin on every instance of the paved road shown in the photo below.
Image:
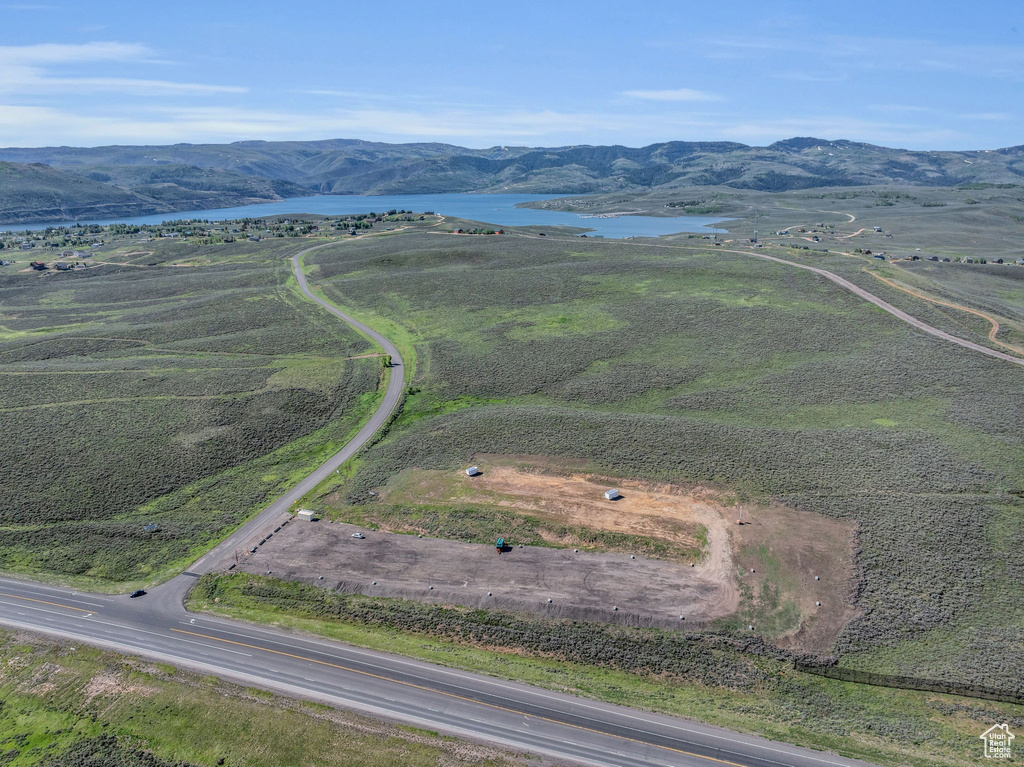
(270, 517)
(844, 283)
(463, 704)
(899, 313)
(157, 626)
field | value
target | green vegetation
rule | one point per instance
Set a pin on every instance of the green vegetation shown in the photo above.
(35, 192)
(741, 684)
(197, 176)
(152, 395)
(64, 706)
(713, 367)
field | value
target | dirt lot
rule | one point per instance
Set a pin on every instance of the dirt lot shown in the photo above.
(647, 592)
(653, 511)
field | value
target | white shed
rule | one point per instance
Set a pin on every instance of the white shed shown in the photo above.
(472, 471)
(305, 515)
(611, 495)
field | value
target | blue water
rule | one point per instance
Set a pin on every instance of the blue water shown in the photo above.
(496, 209)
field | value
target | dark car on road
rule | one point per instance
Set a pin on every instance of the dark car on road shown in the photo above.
(137, 593)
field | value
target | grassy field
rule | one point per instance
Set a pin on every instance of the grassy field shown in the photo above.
(740, 684)
(66, 706)
(704, 366)
(142, 393)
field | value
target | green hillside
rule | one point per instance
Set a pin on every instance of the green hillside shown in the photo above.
(216, 173)
(37, 192)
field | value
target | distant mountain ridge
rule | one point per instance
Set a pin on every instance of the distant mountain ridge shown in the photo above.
(130, 179)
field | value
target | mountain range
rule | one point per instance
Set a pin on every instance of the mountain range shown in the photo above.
(65, 183)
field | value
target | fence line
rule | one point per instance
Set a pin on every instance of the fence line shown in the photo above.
(910, 683)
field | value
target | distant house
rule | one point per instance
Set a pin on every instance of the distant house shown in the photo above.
(946, 260)
(38, 265)
(352, 231)
(254, 238)
(611, 495)
(64, 266)
(27, 245)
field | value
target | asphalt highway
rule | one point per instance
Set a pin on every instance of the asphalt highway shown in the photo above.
(474, 706)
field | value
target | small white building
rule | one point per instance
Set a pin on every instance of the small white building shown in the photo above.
(611, 495)
(305, 515)
(472, 471)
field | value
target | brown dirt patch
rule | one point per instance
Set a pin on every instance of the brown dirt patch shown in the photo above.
(787, 549)
(580, 585)
(112, 685)
(661, 512)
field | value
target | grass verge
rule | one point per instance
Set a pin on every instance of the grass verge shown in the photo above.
(704, 677)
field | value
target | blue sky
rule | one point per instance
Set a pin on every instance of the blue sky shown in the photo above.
(921, 74)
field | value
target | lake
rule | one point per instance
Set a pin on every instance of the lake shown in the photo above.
(497, 209)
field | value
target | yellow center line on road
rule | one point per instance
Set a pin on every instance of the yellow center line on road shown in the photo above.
(44, 602)
(459, 697)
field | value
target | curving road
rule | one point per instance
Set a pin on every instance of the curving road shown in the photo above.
(464, 704)
(899, 313)
(270, 517)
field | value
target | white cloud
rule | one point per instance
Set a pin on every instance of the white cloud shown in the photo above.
(56, 53)
(36, 126)
(23, 69)
(884, 54)
(679, 94)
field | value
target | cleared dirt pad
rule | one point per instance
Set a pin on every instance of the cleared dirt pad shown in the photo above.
(647, 592)
(655, 512)
(771, 572)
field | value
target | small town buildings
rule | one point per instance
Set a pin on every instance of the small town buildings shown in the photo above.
(305, 515)
(64, 266)
(38, 265)
(611, 495)
(472, 471)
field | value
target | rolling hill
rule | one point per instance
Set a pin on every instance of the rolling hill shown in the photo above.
(183, 176)
(38, 192)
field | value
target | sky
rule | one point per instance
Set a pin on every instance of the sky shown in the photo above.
(918, 74)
